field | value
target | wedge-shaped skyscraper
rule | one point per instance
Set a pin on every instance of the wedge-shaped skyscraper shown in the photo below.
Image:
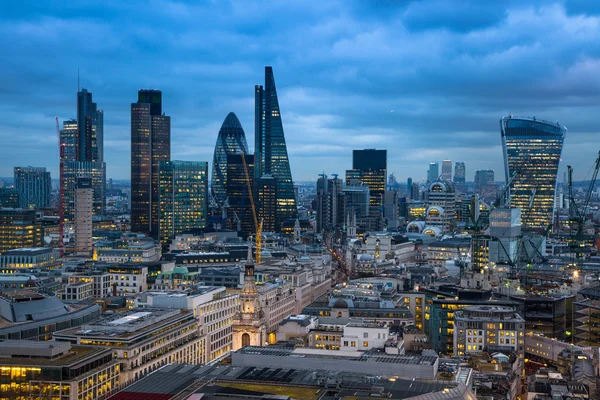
(532, 148)
(271, 158)
(231, 140)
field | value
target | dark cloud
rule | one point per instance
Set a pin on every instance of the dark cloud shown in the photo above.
(425, 79)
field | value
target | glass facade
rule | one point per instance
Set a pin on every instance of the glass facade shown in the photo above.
(370, 167)
(18, 229)
(231, 140)
(433, 172)
(150, 145)
(532, 148)
(34, 186)
(239, 213)
(459, 172)
(270, 148)
(183, 193)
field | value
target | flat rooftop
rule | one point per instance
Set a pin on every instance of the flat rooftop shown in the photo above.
(45, 355)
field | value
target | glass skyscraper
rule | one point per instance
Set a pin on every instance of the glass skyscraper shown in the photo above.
(447, 170)
(150, 145)
(83, 140)
(532, 148)
(433, 172)
(370, 167)
(459, 172)
(34, 186)
(270, 150)
(183, 195)
(231, 140)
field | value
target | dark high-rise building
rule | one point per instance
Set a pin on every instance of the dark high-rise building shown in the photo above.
(231, 140)
(270, 149)
(19, 228)
(239, 212)
(370, 167)
(532, 148)
(150, 145)
(433, 172)
(9, 198)
(409, 183)
(83, 141)
(34, 186)
(483, 178)
(183, 197)
(459, 172)
(329, 201)
(266, 189)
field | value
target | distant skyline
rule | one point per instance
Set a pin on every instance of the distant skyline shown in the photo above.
(426, 80)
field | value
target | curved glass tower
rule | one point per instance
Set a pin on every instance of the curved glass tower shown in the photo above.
(231, 140)
(532, 148)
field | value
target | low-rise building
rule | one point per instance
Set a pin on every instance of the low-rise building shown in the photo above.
(100, 281)
(488, 328)
(143, 339)
(31, 258)
(129, 249)
(296, 326)
(363, 336)
(41, 370)
(127, 279)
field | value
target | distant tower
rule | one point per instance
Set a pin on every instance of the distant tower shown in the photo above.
(297, 233)
(249, 324)
(447, 170)
(84, 197)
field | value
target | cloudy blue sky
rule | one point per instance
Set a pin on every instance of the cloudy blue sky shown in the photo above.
(425, 80)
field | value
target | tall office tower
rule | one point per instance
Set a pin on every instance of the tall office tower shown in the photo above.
(409, 183)
(356, 200)
(84, 197)
(532, 148)
(150, 145)
(239, 212)
(442, 206)
(390, 211)
(433, 173)
(83, 140)
(183, 197)
(9, 198)
(370, 167)
(459, 172)
(447, 170)
(231, 140)
(483, 178)
(19, 228)
(329, 207)
(34, 186)
(415, 193)
(270, 150)
(266, 191)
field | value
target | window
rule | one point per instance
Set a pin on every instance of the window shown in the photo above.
(365, 344)
(346, 343)
(365, 335)
(353, 344)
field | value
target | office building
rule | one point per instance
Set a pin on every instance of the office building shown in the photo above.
(459, 172)
(433, 172)
(19, 228)
(43, 370)
(447, 170)
(231, 140)
(34, 187)
(150, 145)
(330, 211)
(409, 184)
(9, 198)
(83, 216)
(183, 197)
(83, 154)
(505, 228)
(30, 258)
(270, 150)
(356, 200)
(483, 179)
(490, 328)
(143, 339)
(266, 191)
(128, 249)
(441, 211)
(532, 148)
(370, 167)
(239, 192)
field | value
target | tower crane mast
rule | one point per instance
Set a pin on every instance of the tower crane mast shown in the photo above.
(257, 223)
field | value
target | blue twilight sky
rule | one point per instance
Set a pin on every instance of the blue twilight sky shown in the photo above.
(425, 80)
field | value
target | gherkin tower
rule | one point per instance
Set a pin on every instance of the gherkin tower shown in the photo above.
(231, 140)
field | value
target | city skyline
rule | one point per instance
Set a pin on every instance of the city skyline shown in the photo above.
(442, 103)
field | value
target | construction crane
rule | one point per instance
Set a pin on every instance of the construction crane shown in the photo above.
(578, 215)
(61, 192)
(257, 224)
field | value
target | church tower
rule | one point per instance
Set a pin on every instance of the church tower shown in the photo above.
(249, 324)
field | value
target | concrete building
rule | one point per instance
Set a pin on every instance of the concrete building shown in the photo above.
(42, 370)
(100, 282)
(488, 328)
(78, 291)
(83, 216)
(34, 258)
(127, 279)
(547, 350)
(438, 253)
(143, 339)
(296, 326)
(373, 361)
(128, 249)
(447, 170)
(441, 210)
(363, 336)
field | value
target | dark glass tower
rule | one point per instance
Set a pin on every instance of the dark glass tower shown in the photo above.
(370, 167)
(34, 186)
(83, 140)
(532, 148)
(150, 145)
(270, 150)
(231, 140)
(239, 213)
